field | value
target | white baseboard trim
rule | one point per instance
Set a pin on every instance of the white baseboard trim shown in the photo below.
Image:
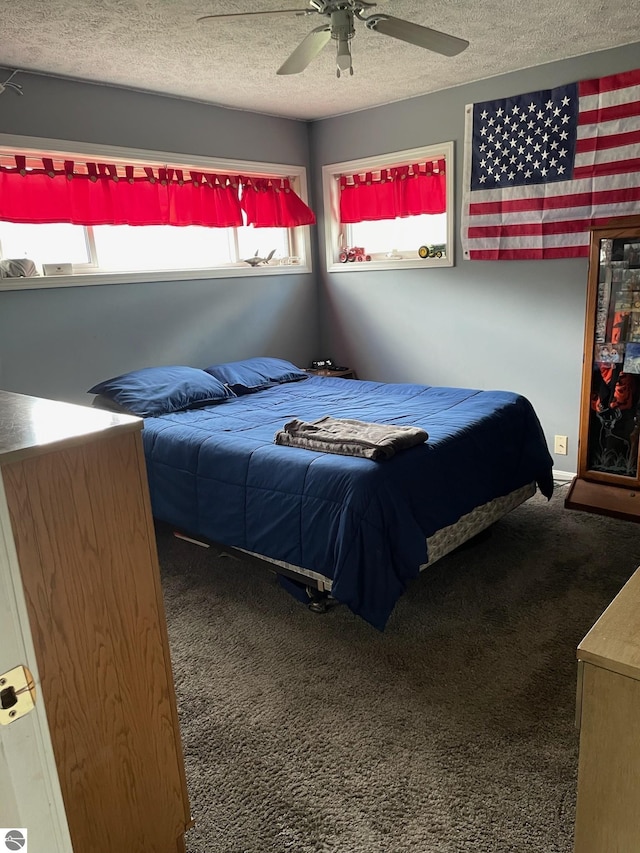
(563, 476)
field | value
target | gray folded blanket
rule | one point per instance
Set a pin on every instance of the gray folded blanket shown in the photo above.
(350, 437)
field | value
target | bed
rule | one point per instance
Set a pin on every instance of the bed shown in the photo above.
(357, 528)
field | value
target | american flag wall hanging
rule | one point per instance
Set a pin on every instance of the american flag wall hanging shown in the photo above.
(542, 169)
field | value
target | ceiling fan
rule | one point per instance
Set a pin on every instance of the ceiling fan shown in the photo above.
(340, 27)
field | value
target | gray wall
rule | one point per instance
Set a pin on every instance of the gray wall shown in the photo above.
(58, 342)
(514, 325)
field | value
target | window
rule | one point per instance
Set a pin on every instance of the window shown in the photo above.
(402, 239)
(102, 254)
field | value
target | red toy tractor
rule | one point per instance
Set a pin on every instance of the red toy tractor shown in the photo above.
(355, 253)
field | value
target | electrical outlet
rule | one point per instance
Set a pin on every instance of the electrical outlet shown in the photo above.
(561, 445)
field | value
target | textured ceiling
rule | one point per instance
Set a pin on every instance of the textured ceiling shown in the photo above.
(157, 46)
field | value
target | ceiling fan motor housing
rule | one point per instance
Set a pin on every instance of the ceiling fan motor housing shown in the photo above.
(342, 27)
(328, 7)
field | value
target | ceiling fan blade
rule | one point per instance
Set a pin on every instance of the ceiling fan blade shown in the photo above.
(416, 34)
(244, 14)
(307, 50)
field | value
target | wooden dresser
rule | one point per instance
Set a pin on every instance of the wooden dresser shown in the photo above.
(608, 715)
(77, 511)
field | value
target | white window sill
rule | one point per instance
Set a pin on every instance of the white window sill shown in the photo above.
(87, 279)
(390, 264)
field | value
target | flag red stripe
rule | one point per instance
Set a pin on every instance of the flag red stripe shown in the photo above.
(535, 229)
(555, 203)
(601, 143)
(612, 113)
(615, 167)
(610, 83)
(529, 254)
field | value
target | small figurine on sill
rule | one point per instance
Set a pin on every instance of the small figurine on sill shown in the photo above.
(255, 260)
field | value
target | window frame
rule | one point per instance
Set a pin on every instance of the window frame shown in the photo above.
(64, 149)
(331, 198)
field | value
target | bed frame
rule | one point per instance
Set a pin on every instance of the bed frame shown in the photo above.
(441, 543)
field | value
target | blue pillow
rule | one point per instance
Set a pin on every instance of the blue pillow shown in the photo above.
(240, 377)
(277, 369)
(154, 391)
(255, 374)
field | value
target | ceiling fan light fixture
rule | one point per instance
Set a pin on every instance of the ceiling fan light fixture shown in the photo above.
(343, 58)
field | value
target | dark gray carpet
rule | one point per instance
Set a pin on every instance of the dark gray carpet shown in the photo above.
(451, 731)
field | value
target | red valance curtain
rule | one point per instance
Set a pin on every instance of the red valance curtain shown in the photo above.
(106, 194)
(271, 202)
(398, 192)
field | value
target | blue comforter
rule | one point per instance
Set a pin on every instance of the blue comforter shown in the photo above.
(217, 473)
